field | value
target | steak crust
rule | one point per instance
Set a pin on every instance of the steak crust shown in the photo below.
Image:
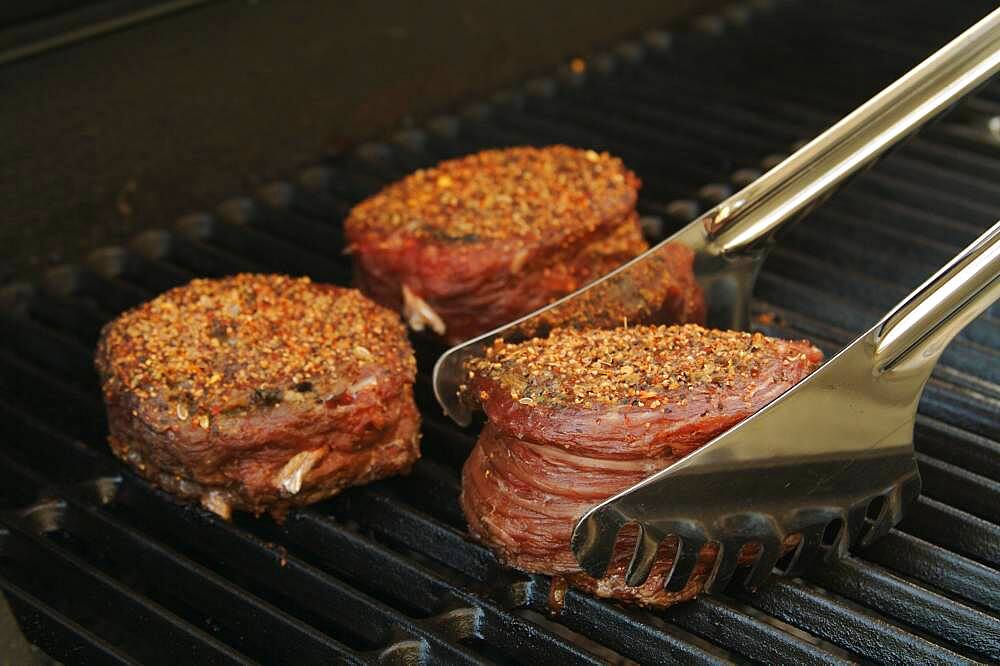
(582, 415)
(259, 392)
(482, 240)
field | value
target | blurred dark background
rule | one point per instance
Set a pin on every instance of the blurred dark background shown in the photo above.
(120, 116)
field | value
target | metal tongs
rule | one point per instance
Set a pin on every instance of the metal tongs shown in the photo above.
(832, 459)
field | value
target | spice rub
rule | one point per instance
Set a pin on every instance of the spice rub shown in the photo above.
(259, 392)
(581, 415)
(479, 241)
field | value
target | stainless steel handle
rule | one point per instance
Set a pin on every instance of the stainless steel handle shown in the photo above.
(753, 215)
(917, 330)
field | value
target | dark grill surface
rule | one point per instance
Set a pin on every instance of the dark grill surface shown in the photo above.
(102, 568)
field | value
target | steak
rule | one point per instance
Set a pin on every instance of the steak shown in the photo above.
(479, 241)
(659, 289)
(584, 414)
(259, 392)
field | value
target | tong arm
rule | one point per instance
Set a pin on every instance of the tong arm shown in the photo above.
(914, 334)
(818, 454)
(805, 178)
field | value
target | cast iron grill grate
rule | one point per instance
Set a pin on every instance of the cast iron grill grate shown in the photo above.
(101, 568)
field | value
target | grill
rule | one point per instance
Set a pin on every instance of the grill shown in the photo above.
(101, 568)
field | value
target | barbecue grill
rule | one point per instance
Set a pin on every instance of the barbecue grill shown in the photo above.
(101, 568)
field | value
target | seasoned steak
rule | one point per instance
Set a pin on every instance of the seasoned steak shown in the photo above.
(479, 241)
(659, 289)
(582, 415)
(259, 392)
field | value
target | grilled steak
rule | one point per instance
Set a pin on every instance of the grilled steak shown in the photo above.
(660, 289)
(479, 241)
(582, 415)
(259, 392)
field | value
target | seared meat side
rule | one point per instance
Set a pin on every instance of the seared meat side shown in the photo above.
(583, 414)
(259, 392)
(660, 289)
(479, 241)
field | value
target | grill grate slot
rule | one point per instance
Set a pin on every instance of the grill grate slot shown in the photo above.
(385, 573)
(348, 552)
(43, 448)
(958, 447)
(271, 572)
(64, 639)
(253, 626)
(873, 586)
(963, 489)
(955, 529)
(103, 604)
(399, 524)
(20, 487)
(647, 639)
(937, 566)
(847, 624)
(729, 623)
(54, 351)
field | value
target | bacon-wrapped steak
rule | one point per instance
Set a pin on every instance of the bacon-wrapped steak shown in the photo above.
(479, 241)
(581, 415)
(259, 392)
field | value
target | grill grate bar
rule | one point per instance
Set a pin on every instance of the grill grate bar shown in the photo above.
(919, 607)
(961, 532)
(961, 488)
(78, 319)
(133, 614)
(646, 639)
(253, 625)
(299, 584)
(63, 638)
(953, 445)
(879, 182)
(54, 400)
(343, 550)
(392, 520)
(432, 487)
(54, 351)
(807, 239)
(903, 216)
(925, 254)
(107, 296)
(21, 487)
(959, 576)
(188, 250)
(847, 624)
(245, 240)
(722, 620)
(41, 447)
(143, 270)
